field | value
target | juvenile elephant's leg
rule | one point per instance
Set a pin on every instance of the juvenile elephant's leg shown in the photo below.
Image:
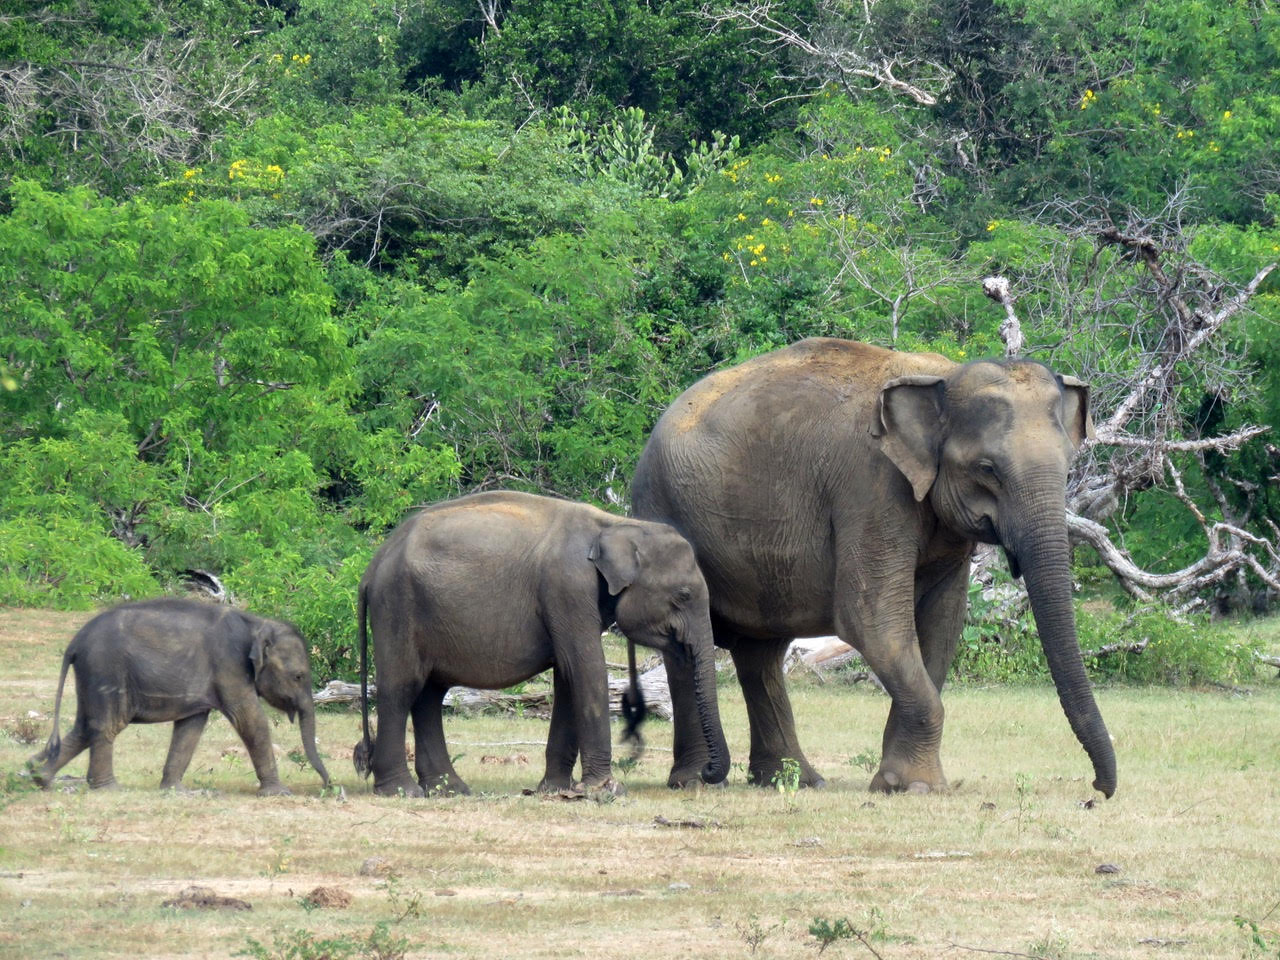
(773, 728)
(186, 734)
(562, 741)
(431, 753)
(251, 723)
(579, 660)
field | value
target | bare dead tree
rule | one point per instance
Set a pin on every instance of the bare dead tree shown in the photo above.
(1171, 308)
(836, 48)
(162, 102)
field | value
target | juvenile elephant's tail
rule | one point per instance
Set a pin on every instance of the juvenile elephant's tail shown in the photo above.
(54, 744)
(362, 756)
(633, 708)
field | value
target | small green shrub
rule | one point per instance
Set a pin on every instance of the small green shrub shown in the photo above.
(1192, 651)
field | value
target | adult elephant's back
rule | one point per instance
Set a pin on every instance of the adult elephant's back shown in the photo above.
(748, 464)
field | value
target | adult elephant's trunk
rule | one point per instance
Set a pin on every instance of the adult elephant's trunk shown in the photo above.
(1044, 556)
(704, 689)
(307, 724)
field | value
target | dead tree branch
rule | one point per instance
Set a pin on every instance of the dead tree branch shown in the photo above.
(836, 50)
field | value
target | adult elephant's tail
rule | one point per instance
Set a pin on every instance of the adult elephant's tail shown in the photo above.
(362, 755)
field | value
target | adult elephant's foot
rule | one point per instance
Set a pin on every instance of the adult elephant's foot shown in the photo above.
(274, 790)
(604, 789)
(108, 784)
(784, 774)
(445, 785)
(904, 777)
(403, 787)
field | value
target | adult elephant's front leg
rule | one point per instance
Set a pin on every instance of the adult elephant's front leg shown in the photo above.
(939, 617)
(773, 727)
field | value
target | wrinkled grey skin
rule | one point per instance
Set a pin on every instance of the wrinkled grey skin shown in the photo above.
(174, 660)
(490, 589)
(835, 487)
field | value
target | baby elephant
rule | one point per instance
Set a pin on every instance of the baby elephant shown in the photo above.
(488, 590)
(175, 660)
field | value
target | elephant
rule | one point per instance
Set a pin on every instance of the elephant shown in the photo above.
(489, 589)
(838, 487)
(173, 659)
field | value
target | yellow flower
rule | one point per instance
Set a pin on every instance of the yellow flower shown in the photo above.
(1226, 114)
(771, 201)
(188, 174)
(1087, 99)
(741, 217)
(992, 224)
(815, 201)
(765, 222)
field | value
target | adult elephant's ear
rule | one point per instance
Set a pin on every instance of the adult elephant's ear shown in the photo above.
(908, 422)
(1075, 410)
(616, 555)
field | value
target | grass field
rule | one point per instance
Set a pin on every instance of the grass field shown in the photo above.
(1006, 863)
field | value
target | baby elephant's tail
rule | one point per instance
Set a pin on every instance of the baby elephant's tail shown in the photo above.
(54, 744)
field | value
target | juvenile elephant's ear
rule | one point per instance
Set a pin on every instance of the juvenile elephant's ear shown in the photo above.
(908, 422)
(1075, 410)
(617, 556)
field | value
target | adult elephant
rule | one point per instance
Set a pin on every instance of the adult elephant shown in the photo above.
(489, 589)
(833, 486)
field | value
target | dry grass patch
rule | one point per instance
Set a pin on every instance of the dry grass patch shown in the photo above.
(1004, 862)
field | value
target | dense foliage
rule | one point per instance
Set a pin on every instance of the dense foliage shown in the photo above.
(278, 271)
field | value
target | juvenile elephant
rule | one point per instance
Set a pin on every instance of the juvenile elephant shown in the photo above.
(175, 660)
(490, 589)
(838, 487)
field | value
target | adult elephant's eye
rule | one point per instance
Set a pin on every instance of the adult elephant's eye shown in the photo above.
(988, 470)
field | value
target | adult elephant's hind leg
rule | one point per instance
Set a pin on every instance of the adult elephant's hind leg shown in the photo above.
(186, 734)
(773, 728)
(431, 754)
(391, 775)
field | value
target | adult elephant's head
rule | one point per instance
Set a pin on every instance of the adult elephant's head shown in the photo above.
(661, 602)
(282, 676)
(989, 445)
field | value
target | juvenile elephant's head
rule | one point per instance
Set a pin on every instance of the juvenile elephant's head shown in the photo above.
(661, 602)
(989, 446)
(282, 675)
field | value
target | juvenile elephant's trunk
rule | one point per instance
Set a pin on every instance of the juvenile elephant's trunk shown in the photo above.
(307, 724)
(1045, 560)
(704, 688)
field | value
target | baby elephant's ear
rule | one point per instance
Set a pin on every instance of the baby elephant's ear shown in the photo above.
(616, 554)
(261, 637)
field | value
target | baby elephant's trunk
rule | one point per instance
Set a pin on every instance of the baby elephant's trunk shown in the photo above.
(307, 723)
